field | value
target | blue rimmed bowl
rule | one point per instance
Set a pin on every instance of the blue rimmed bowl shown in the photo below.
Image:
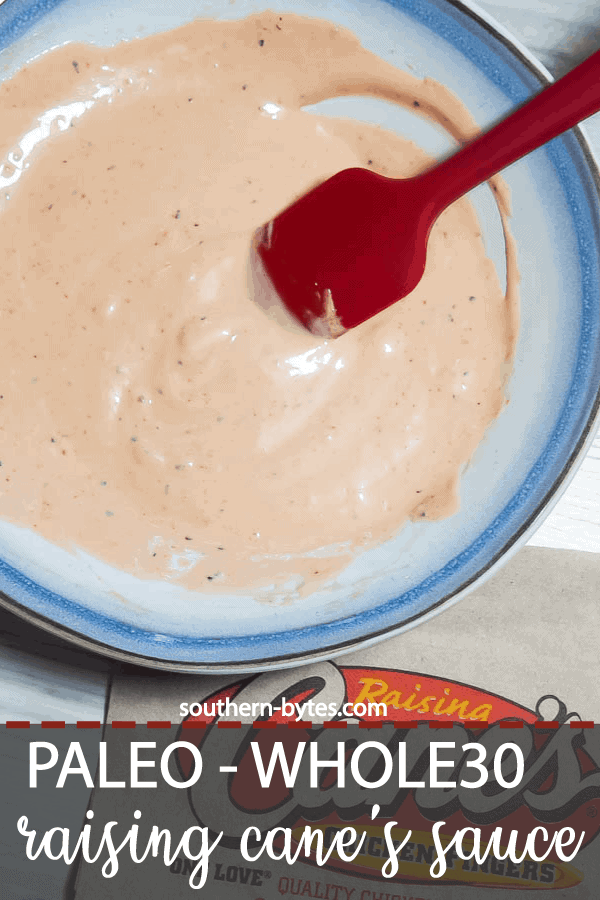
(516, 475)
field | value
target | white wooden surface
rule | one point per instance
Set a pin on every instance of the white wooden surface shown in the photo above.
(39, 681)
(561, 34)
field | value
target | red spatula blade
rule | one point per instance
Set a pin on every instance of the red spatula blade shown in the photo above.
(357, 243)
(348, 249)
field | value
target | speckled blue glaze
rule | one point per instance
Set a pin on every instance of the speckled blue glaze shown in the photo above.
(517, 81)
(18, 16)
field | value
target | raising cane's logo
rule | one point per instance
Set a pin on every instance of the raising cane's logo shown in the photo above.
(560, 787)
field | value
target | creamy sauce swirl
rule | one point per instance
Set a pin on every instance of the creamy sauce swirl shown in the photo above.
(151, 412)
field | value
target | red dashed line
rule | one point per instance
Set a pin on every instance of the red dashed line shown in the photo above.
(268, 724)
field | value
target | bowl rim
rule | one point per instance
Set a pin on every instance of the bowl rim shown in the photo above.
(510, 546)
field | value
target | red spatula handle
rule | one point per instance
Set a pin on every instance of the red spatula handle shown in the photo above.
(555, 109)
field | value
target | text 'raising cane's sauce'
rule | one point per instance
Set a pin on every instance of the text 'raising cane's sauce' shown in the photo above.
(155, 416)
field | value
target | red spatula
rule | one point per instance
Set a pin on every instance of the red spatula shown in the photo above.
(357, 243)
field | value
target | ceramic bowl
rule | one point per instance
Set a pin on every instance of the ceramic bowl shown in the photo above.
(528, 454)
